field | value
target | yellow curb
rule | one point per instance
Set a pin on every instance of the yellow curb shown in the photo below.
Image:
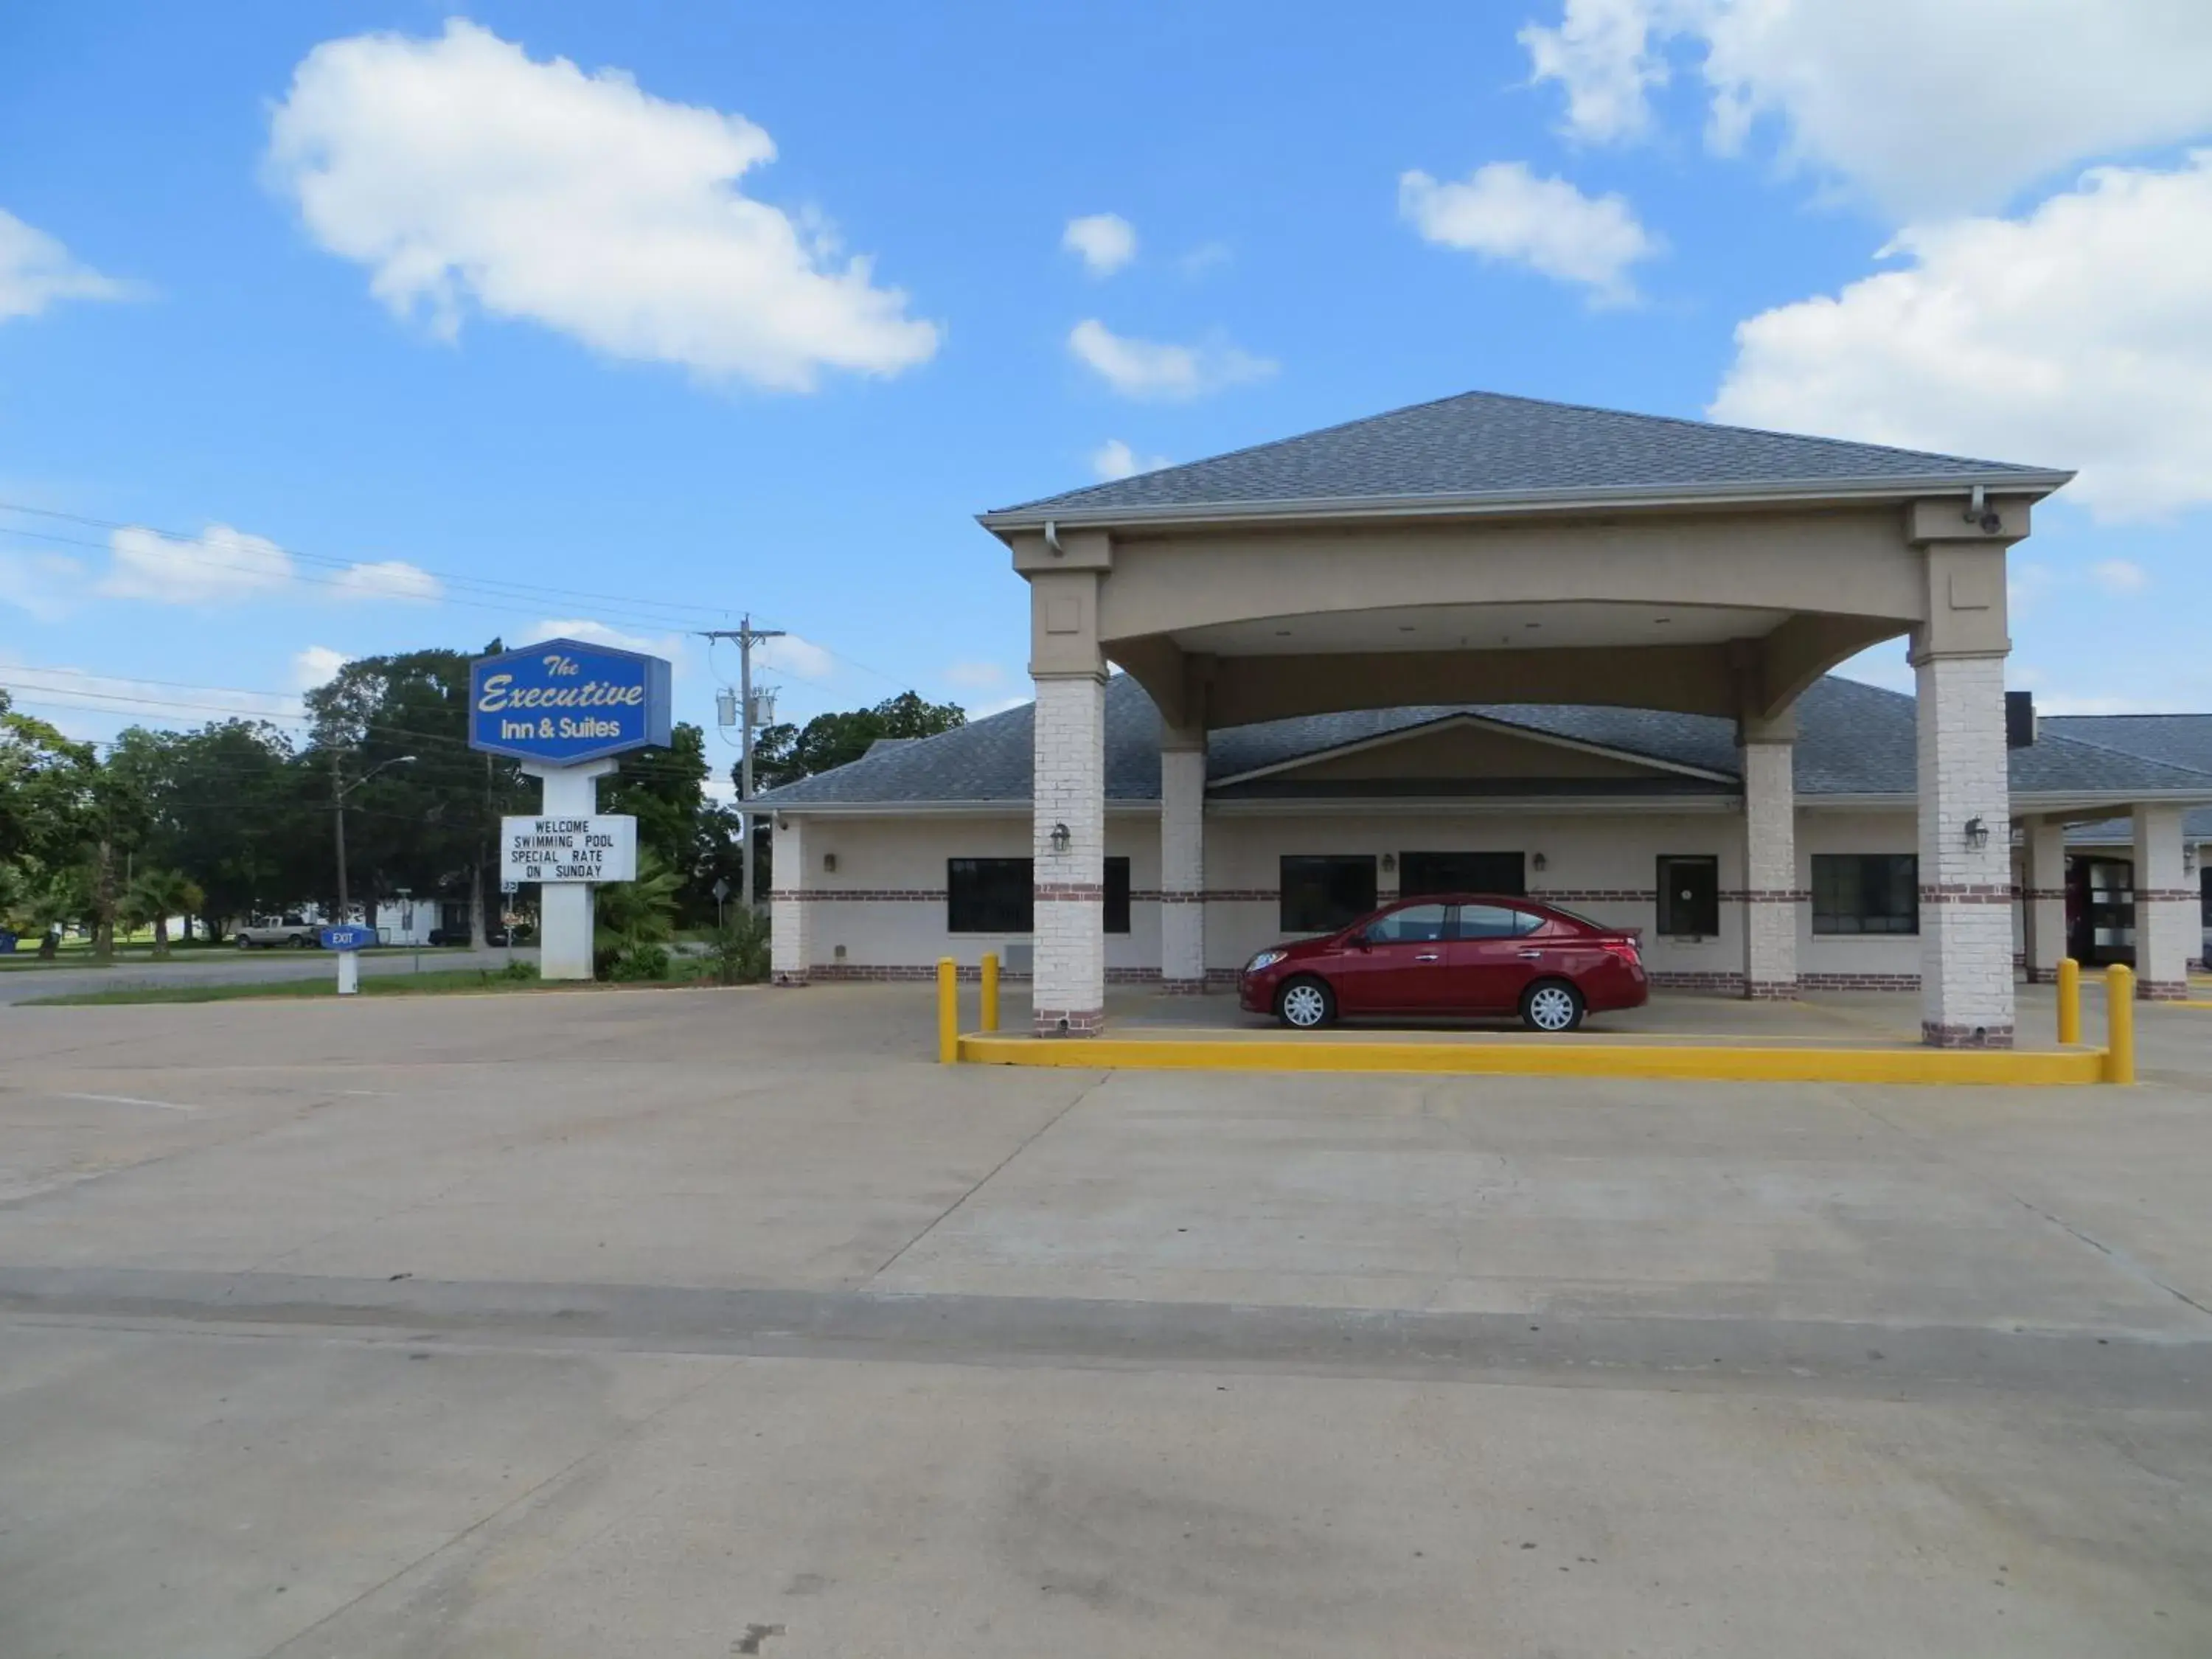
(1915, 1065)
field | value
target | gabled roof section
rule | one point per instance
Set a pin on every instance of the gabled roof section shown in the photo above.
(1484, 449)
(2175, 739)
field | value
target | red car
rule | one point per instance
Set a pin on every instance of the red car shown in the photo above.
(1452, 953)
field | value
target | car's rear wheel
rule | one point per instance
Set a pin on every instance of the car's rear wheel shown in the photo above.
(299, 942)
(1551, 1005)
(1305, 1004)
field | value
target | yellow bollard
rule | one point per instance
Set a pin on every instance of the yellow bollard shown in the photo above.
(948, 1011)
(2070, 1001)
(989, 1019)
(2119, 1023)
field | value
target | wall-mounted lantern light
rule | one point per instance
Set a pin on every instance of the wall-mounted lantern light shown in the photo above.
(1537, 860)
(1977, 834)
(830, 862)
(1389, 863)
(1061, 837)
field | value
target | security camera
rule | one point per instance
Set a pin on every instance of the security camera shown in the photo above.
(1991, 524)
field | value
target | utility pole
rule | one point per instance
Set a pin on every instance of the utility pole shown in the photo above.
(747, 637)
(337, 824)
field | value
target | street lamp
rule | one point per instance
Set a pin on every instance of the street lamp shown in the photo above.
(339, 790)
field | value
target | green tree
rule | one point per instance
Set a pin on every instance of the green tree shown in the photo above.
(429, 825)
(154, 895)
(784, 754)
(236, 812)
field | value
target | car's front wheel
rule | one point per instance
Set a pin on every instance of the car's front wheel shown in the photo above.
(1551, 1005)
(1305, 1004)
(298, 943)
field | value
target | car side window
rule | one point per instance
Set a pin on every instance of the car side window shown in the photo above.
(1495, 921)
(1416, 923)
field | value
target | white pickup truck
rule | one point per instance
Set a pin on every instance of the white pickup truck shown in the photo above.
(267, 932)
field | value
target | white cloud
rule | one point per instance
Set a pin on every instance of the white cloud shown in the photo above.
(1928, 108)
(1504, 211)
(388, 579)
(1115, 459)
(2078, 336)
(105, 703)
(221, 564)
(799, 657)
(1206, 257)
(1104, 241)
(670, 646)
(2119, 575)
(1151, 369)
(226, 564)
(976, 676)
(1601, 54)
(43, 585)
(458, 169)
(35, 270)
(316, 665)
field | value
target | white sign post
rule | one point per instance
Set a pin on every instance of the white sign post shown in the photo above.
(564, 903)
(565, 709)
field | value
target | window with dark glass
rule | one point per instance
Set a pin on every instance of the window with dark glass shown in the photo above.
(1117, 895)
(987, 895)
(1493, 921)
(1322, 894)
(1866, 893)
(1689, 896)
(1416, 923)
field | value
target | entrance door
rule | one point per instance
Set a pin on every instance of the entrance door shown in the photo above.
(1461, 873)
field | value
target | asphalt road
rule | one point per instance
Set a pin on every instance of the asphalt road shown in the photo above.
(695, 1324)
(233, 966)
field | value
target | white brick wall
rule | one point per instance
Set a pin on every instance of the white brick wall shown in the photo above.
(2169, 929)
(1070, 992)
(1182, 866)
(1965, 906)
(788, 918)
(1772, 886)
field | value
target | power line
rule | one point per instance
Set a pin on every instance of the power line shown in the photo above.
(635, 611)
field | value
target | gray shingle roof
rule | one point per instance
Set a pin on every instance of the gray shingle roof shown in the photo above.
(1853, 739)
(1486, 445)
(2177, 740)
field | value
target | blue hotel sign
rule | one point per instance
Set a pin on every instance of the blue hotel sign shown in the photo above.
(563, 701)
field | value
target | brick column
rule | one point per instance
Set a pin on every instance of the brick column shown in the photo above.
(2168, 929)
(1771, 895)
(1965, 890)
(2043, 899)
(1069, 995)
(789, 933)
(1182, 861)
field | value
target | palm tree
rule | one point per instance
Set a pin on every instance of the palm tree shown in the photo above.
(157, 895)
(635, 919)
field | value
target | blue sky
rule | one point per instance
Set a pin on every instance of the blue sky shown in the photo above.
(341, 328)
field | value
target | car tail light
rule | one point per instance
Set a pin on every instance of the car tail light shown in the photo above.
(1624, 948)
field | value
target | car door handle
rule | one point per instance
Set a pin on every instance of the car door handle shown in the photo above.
(1532, 956)
(1428, 955)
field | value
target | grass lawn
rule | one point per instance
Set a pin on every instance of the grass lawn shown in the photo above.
(445, 982)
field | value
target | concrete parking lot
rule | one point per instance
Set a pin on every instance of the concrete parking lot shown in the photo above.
(679, 1323)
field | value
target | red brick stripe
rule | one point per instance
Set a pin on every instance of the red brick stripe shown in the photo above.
(1071, 892)
(1967, 893)
(2168, 895)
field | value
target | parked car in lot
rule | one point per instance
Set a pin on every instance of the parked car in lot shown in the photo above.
(269, 933)
(1452, 954)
